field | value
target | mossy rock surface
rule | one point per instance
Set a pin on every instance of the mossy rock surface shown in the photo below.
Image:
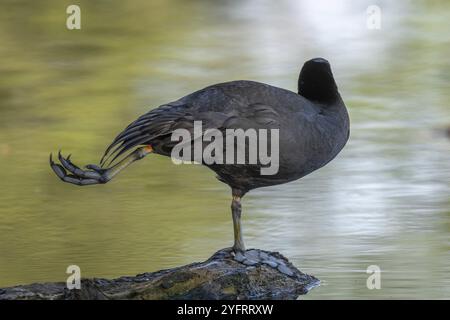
(257, 274)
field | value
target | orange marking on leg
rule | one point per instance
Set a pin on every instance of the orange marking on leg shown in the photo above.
(148, 148)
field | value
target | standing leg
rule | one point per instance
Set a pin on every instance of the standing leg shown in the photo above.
(236, 212)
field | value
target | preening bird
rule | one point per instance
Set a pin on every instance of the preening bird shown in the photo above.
(313, 127)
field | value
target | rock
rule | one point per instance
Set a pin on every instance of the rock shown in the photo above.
(219, 277)
(263, 255)
(270, 263)
(252, 255)
(282, 268)
(249, 262)
(239, 257)
(278, 261)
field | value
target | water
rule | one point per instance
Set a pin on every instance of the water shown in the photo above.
(383, 201)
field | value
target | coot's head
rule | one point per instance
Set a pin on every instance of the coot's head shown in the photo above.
(316, 81)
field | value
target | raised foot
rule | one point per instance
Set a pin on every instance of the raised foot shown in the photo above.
(68, 172)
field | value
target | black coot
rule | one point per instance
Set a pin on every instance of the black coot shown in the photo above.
(313, 127)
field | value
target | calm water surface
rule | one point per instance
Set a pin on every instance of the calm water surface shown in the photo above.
(384, 201)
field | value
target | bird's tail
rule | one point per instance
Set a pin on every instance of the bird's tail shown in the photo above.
(152, 126)
(133, 135)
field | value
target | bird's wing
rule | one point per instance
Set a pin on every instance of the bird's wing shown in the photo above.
(214, 108)
(253, 116)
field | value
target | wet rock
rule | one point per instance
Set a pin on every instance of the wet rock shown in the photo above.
(250, 262)
(282, 268)
(270, 263)
(252, 255)
(275, 260)
(263, 255)
(280, 262)
(239, 257)
(219, 277)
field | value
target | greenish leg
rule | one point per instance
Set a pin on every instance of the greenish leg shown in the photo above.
(236, 210)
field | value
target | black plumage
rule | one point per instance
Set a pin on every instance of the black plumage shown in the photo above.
(313, 127)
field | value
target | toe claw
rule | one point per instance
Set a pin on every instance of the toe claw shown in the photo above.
(94, 167)
(59, 170)
(64, 162)
(68, 172)
(69, 166)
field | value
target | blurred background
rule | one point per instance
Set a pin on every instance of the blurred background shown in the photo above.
(385, 200)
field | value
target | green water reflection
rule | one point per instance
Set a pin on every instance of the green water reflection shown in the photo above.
(384, 200)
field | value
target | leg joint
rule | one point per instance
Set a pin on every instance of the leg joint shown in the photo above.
(236, 203)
